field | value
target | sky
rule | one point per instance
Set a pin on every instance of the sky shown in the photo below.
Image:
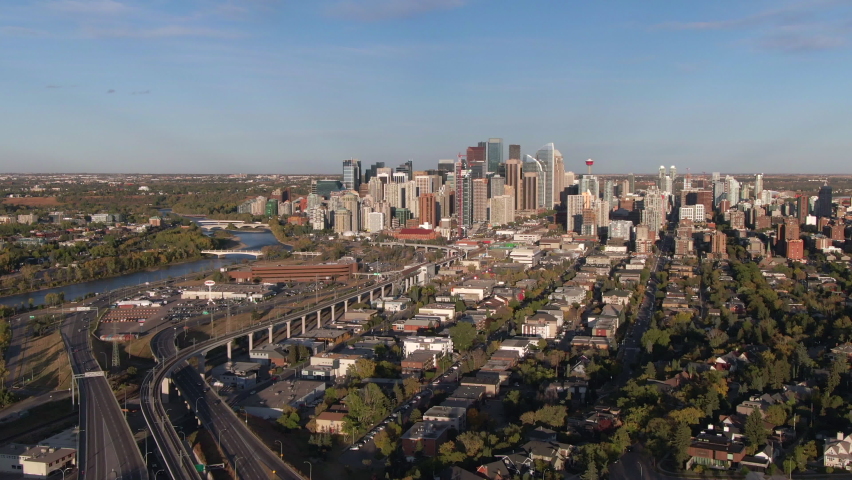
(294, 86)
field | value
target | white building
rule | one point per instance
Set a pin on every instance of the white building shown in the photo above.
(444, 345)
(838, 452)
(375, 222)
(502, 210)
(528, 257)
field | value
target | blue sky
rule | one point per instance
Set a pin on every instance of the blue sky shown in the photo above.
(287, 86)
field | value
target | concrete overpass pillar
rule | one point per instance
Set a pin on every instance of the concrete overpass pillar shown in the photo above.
(251, 341)
(346, 305)
(202, 368)
(371, 297)
(319, 319)
(304, 322)
(229, 350)
(288, 329)
(270, 332)
(332, 312)
(165, 388)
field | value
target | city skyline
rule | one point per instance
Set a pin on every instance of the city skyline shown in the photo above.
(260, 87)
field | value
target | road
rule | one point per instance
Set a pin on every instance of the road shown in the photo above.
(108, 449)
(631, 348)
(259, 460)
(252, 458)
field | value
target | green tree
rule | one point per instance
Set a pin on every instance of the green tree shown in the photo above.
(591, 472)
(463, 336)
(416, 415)
(680, 443)
(473, 443)
(289, 418)
(755, 432)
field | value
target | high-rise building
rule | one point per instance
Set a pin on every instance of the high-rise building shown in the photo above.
(607, 193)
(550, 160)
(480, 200)
(591, 184)
(632, 179)
(620, 229)
(371, 172)
(514, 152)
(719, 245)
(476, 155)
(376, 189)
(428, 209)
(502, 210)
(568, 180)
(494, 154)
(824, 204)
(661, 180)
(590, 222)
(802, 208)
(514, 179)
(467, 197)
(342, 220)
(446, 165)
(529, 191)
(495, 186)
(351, 174)
(407, 168)
(375, 222)
(758, 185)
(732, 188)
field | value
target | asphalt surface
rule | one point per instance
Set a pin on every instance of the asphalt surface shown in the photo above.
(250, 457)
(253, 460)
(107, 447)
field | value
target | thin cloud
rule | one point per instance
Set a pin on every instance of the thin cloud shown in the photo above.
(159, 32)
(91, 7)
(12, 31)
(794, 43)
(53, 86)
(110, 91)
(379, 10)
(142, 92)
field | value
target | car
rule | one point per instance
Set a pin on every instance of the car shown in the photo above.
(354, 447)
(252, 392)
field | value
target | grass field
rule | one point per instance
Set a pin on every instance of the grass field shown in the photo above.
(33, 201)
(47, 363)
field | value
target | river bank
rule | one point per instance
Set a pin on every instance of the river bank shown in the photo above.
(185, 268)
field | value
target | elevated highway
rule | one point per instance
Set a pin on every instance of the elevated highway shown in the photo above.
(245, 452)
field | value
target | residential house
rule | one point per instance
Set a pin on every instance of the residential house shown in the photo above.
(838, 452)
(715, 450)
(330, 422)
(424, 437)
(456, 417)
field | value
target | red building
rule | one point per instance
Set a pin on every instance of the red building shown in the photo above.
(795, 249)
(428, 209)
(415, 234)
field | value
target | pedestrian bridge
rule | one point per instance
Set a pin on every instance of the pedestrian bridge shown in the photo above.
(219, 253)
(225, 224)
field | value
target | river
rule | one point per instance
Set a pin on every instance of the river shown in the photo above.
(250, 240)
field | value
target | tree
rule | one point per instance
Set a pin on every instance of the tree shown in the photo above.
(755, 432)
(776, 415)
(289, 418)
(463, 336)
(416, 415)
(591, 472)
(385, 443)
(363, 368)
(680, 443)
(473, 443)
(410, 386)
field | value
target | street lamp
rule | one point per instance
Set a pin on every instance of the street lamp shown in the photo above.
(310, 470)
(280, 448)
(158, 473)
(106, 365)
(220, 437)
(196, 405)
(65, 470)
(236, 462)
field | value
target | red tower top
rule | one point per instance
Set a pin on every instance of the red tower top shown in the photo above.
(589, 164)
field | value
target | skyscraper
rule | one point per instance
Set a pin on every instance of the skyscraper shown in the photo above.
(494, 154)
(407, 168)
(530, 191)
(351, 174)
(476, 155)
(514, 152)
(502, 210)
(514, 179)
(758, 185)
(480, 200)
(824, 207)
(547, 158)
(632, 179)
(446, 165)
(802, 207)
(495, 186)
(428, 209)
(372, 171)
